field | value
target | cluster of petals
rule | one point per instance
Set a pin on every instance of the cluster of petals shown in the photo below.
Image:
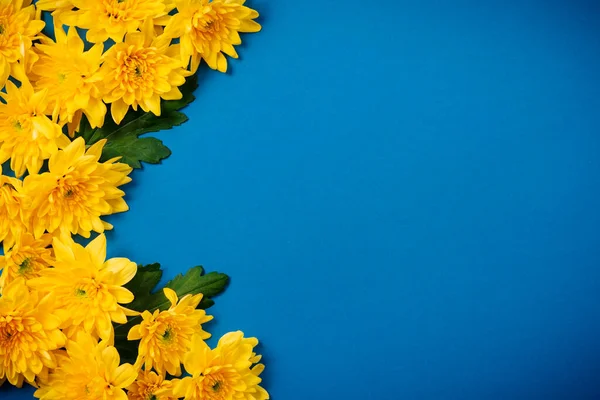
(60, 300)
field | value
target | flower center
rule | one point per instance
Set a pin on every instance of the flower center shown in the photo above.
(87, 289)
(69, 192)
(11, 329)
(69, 188)
(22, 126)
(138, 69)
(205, 22)
(218, 383)
(25, 266)
(116, 9)
(168, 336)
(7, 335)
(7, 38)
(5, 16)
(147, 392)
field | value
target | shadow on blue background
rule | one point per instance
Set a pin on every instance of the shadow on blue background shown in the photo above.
(406, 195)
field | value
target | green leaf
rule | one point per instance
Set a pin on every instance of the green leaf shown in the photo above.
(138, 123)
(212, 283)
(124, 140)
(132, 150)
(143, 283)
(146, 278)
(193, 282)
(128, 351)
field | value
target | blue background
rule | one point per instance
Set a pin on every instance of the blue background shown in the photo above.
(406, 195)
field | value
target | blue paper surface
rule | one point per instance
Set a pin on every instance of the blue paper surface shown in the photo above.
(405, 194)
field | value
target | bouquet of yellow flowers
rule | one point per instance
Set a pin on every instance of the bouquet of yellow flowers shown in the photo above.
(78, 97)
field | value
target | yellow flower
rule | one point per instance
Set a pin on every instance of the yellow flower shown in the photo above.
(89, 371)
(28, 333)
(166, 335)
(70, 74)
(224, 373)
(207, 29)
(18, 28)
(150, 386)
(27, 136)
(140, 71)
(109, 18)
(26, 259)
(77, 191)
(88, 290)
(11, 208)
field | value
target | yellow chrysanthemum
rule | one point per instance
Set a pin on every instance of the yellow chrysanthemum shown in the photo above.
(209, 29)
(89, 371)
(26, 259)
(18, 28)
(70, 74)
(11, 208)
(29, 332)
(88, 290)
(230, 371)
(141, 72)
(166, 335)
(27, 136)
(150, 386)
(106, 19)
(77, 191)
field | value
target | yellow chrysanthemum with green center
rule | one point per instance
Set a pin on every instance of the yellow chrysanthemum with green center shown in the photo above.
(27, 136)
(26, 259)
(106, 19)
(76, 191)
(70, 74)
(230, 371)
(140, 72)
(208, 30)
(150, 386)
(11, 209)
(88, 289)
(88, 371)
(166, 335)
(18, 28)
(29, 332)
